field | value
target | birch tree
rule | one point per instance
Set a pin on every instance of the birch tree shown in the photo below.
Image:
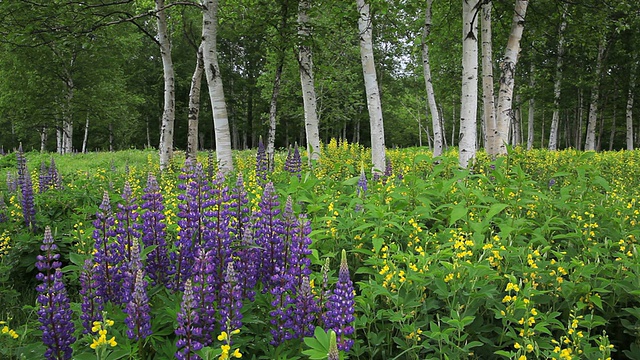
(365, 26)
(305, 60)
(630, 96)
(590, 142)
(469, 104)
(488, 102)
(555, 119)
(194, 106)
(169, 111)
(214, 82)
(505, 114)
(438, 137)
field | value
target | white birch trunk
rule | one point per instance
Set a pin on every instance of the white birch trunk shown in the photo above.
(43, 139)
(505, 114)
(194, 107)
(309, 100)
(530, 113)
(67, 117)
(590, 142)
(165, 147)
(488, 99)
(629, 111)
(469, 104)
(438, 137)
(273, 112)
(86, 135)
(365, 26)
(214, 81)
(555, 119)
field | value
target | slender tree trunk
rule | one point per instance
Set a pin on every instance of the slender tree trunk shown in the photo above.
(530, 113)
(43, 139)
(489, 110)
(505, 113)
(111, 147)
(612, 137)
(148, 133)
(273, 112)
(629, 112)
(542, 131)
(438, 137)
(216, 91)
(165, 147)
(86, 135)
(378, 153)
(580, 116)
(469, 103)
(67, 116)
(555, 120)
(194, 107)
(590, 142)
(305, 59)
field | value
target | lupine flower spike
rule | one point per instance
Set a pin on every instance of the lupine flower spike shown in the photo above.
(340, 305)
(55, 312)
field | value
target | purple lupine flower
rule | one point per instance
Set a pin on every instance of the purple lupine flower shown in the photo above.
(26, 187)
(362, 184)
(187, 332)
(92, 304)
(293, 163)
(107, 256)
(154, 234)
(129, 270)
(262, 165)
(248, 264)
(55, 312)
(191, 213)
(230, 302)
(551, 182)
(127, 244)
(305, 311)
(287, 282)
(12, 182)
(340, 306)
(388, 169)
(54, 176)
(268, 228)
(138, 310)
(205, 295)
(238, 210)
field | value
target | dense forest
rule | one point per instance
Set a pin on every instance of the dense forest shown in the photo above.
(92, 75)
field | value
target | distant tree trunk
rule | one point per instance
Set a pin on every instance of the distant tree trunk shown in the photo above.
(146, 119)
(580, 115)
(273, 112)
(555, 120)
(431, 98)
(505, 112)
(306, 80)
(165, 147)
(542, 131)
(612, 136)
(43, 139)
(216, 91)
(489, 110)
(86, 135)
(629, 112)
(111, 147)
(590, 142)
(378, 153)
(530, 117)
(67, 116)
(469, 103)
(194, 107)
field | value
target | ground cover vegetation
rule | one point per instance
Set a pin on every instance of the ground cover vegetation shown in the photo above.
(533, 255)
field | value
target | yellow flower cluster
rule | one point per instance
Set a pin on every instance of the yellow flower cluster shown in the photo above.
(100, 328)
(226, 347)
(5, 243)
(6, 330)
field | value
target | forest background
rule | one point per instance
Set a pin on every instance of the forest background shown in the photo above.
(92, 71)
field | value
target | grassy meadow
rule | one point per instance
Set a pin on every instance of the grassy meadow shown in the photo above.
(530, 256)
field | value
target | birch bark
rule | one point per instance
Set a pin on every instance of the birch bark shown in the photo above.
(590, 142)
(194, 107)
(488, 98)
(305, 58)
(629, 110)
(438, 138)
(165, 147)
(216, 90)
(371, 86)
(505, 114)
(469, 104)
(555, 119)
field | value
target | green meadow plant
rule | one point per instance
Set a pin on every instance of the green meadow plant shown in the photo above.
(533, 255)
